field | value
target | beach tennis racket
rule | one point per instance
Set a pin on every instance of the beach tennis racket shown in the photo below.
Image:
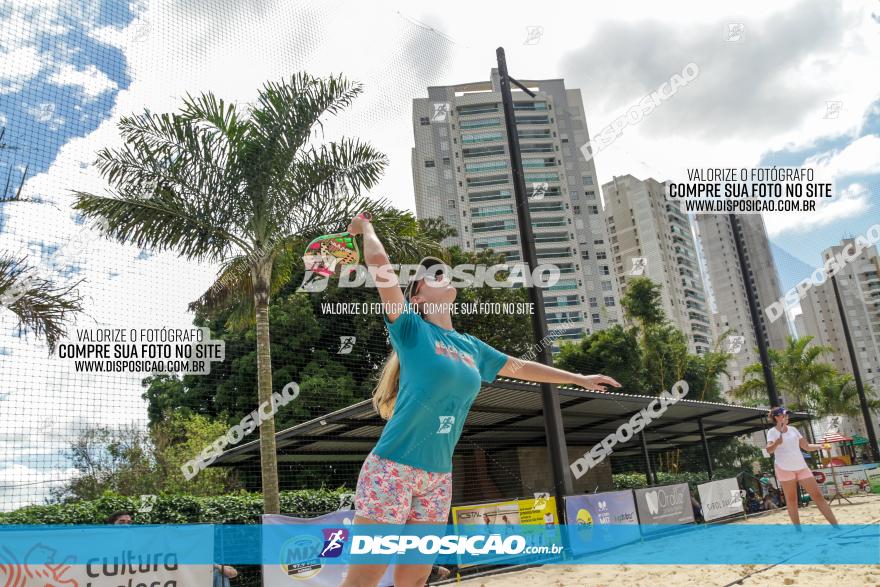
(329, 252)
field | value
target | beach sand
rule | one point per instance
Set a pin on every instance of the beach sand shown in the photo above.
(865, 509)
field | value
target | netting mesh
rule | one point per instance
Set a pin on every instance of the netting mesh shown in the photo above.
(84, 87)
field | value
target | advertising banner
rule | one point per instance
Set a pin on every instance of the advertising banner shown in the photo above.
(670, 504)
(301, 557)
(851, 479)
(161, 557)
(508, 517)
(720, 499)
(873, 479)
(601, 520)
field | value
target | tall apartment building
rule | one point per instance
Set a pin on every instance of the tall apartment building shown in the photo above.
(731, 311)
(652, 238)
(462, 173)
(859, 286)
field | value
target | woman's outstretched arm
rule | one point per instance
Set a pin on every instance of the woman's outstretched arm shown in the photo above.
(532, 371)
(380, 268)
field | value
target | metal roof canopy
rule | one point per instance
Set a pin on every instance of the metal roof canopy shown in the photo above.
(507, 414)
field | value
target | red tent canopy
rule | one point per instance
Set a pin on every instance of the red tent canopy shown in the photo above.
(835, 437)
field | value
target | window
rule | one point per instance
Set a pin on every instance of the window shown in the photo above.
(590, 194)
(446, 160)
(609, 301)
(577, 209)
(594, 303)
(604, 270)
(429, 163)
(593, 209)
(574, 195)
(596, 319)
(588, 179)
(601, 255)
(585, 254)
(606, 286)
(598, 241)
(424, 121)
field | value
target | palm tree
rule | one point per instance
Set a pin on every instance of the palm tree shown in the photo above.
(248, 191)
(714, 363)
(39, 305)
(837, 395)
(796, 369)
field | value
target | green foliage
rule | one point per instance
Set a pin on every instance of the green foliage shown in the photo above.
(241, 508)
(132, 461)
(638, 480)
(614, 352)
(641, 302)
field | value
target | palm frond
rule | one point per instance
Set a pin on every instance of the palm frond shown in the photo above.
(39, 305)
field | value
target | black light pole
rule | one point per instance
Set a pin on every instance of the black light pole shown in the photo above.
(760, 335)
(866, 413)
(553, 424)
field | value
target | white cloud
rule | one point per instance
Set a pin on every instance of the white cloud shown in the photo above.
(92, 81)
(19, 66)
(850, 202)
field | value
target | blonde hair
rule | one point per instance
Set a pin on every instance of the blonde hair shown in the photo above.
(385, 394)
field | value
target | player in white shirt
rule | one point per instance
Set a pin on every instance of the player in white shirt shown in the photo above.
(785, 443)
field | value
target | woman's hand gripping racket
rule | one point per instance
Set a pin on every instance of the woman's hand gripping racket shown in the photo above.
(330, 252)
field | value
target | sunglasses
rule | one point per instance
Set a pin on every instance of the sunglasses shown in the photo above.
(435, 271)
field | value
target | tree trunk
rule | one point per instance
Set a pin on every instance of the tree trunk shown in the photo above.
(268, 457)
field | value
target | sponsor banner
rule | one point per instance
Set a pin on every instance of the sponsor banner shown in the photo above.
(720, 499)
(537, 518)
(873, 479)
(305, 557)
(851, 480)
(589, 517)
(669, 504)
(47, 555)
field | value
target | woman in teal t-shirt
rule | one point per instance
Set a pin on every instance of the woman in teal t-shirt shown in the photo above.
(428, 384)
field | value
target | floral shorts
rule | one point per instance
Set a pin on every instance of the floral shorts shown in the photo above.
(394, 493)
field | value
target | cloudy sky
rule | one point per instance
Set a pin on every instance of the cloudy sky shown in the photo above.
(784, 83)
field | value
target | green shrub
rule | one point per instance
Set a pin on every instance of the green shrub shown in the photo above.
(637, 480)
(241, 508)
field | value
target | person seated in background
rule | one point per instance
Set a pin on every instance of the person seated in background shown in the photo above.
(753, 504)
(768, 503)
(777, 497)
(698, 509)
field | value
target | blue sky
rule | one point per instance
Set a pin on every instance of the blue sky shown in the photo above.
(806, 246)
